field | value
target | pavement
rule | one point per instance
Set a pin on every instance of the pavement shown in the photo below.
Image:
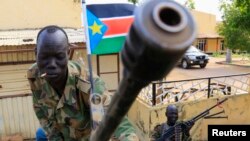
(235, 62)
(215, 67)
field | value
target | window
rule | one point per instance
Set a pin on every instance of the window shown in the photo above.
(201, 44)
(222, 45)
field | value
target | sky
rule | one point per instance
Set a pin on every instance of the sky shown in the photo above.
(208, 6)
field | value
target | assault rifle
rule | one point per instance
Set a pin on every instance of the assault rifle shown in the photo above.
(161, 33)
(184, 125)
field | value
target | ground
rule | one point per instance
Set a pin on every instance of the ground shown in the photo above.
(215, 67)
(237, 62)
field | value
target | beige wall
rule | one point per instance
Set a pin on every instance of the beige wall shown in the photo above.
(109, 70)
(206, 22)
(80, 55)
(212, 45)
(206, 25)
(67, 13)
(16, 55)
(107, 64)
(145, 117)
(20, 14)
(17, 116)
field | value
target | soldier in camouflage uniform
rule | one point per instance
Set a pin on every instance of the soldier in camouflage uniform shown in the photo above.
(61, 91)
(172, 117)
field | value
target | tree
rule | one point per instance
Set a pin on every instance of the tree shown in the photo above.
(190, 4)
(235, 25)
(134, 1)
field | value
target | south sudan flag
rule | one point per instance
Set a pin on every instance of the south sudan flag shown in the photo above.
(108, 25)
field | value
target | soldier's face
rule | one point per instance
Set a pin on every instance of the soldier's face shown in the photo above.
(172, 115)
(52, 55)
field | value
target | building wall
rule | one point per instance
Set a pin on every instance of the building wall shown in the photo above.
(206, 22)
(206, 25)
(18, 116)
(13, 54)
(109, 71)
(212, 45)
(67, 13)
(107, 64)
(21, 14)
(146, 117)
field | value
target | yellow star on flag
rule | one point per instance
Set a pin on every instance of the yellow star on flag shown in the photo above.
(96, 28)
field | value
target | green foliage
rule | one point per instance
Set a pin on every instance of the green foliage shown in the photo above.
(234, 55)
(216, 54)
(235, 26)
(245, 56)
(190, 4)
(134, 1)
(248, 56)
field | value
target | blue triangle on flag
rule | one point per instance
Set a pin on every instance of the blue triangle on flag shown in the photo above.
(96, 30)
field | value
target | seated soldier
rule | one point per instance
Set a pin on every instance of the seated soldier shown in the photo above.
(180, 132)
(61, 92)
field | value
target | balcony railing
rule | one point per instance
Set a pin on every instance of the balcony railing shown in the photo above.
(158, 93)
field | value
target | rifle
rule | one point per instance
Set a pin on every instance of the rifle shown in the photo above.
(171, 131)
(161, 33)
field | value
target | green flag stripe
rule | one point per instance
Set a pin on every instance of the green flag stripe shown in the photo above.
(110, 45)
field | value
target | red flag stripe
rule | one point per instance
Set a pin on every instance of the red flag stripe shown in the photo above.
(118, 25)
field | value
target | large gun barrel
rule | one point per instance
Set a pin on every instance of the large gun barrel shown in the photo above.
(160, 34)
(206, 112)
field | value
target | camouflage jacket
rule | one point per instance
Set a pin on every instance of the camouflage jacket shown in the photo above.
(68, 118)
(160, 129)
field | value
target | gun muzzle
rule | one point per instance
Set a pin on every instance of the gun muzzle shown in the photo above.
(162, 31)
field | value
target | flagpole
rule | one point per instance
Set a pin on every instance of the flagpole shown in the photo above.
(85, 21)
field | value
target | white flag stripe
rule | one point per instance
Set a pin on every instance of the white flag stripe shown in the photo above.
(116, 35)
(111, 18)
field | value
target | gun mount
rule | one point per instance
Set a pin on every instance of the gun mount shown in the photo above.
(160, 34)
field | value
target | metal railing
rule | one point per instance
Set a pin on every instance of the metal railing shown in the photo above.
(158, 93)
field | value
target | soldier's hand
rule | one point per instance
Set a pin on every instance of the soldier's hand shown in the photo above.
(189, 124)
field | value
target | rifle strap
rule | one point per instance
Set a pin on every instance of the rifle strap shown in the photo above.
(164, 128)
